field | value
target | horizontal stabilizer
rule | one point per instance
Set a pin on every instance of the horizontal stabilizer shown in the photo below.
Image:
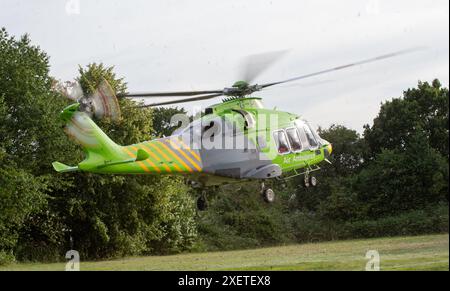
(141, 155)
(61, 168)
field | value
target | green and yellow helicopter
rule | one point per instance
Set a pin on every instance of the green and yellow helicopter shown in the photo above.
(236, 140)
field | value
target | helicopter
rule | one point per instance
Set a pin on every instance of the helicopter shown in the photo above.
(232, 141)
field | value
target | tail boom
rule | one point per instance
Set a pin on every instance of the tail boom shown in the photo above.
(161, 156)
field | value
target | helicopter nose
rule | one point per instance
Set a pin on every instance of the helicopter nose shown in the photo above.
(328, 150)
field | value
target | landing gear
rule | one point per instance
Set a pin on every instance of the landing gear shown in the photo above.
(309, 181)
(267, 193)
(313, 181)
(202, 202)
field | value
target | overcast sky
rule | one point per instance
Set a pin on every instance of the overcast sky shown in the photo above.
(162, 45)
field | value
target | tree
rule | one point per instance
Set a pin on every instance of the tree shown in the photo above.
(348, 150)
(424, 108)
(397, 181)
(408, 149)
(162, 120)
(42, 210)
(29, 135)
(21, 195)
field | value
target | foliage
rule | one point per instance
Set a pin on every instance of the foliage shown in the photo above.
(424, 108)
(31, 105)
(237, 223)
(238, 218)
(162, 120)
(348, 150)
(91, 77)
(6, 258)
(432, 219)
(43, 214)
(400, 181)
(21, 196)
(29, 135)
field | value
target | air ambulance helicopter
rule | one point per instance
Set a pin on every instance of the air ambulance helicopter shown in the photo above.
(236, 140)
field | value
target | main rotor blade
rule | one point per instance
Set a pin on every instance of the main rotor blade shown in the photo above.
(169, 94)
(254, 65)
(204, 97)
(371, 60)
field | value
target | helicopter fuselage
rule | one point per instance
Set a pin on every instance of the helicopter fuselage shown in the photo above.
(232, 141)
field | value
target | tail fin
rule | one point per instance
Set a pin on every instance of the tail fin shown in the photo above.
(99, 148)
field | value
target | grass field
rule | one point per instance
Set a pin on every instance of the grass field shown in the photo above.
(402, 253)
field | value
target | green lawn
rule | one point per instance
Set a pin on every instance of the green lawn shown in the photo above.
(401, 253)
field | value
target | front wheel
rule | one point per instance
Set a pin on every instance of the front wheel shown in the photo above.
(313, 181)
(306, 182)
(268, 195)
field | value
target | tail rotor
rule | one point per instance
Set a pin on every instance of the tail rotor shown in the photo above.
(102, 103)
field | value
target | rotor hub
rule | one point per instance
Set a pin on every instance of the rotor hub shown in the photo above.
(241, 89)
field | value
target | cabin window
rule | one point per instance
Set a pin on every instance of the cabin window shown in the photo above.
(315, 134)
(310, 136)
(282, 142)
(303, 138)
(248, 118)
(294, 139)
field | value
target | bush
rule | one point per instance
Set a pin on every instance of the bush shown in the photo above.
(6, 258)
(238, 218)
(434, 219)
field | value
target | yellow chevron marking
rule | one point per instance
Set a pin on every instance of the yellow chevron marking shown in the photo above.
(186, 147)
(150, 152)
(144, 167)
(175, 146)
(164, 156)
(148, 161)
(129, 152)
(175, 156)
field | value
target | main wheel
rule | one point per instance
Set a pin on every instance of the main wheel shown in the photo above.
(202, 203)
(306, 182)
(313, 181)
(268, 195)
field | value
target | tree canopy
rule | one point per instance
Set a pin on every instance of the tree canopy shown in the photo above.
(422, 109)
